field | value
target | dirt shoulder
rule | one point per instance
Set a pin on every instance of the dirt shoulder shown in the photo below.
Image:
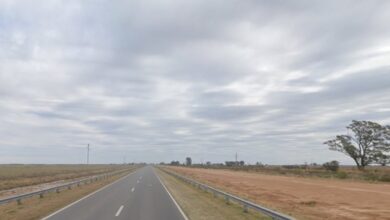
(304, 198)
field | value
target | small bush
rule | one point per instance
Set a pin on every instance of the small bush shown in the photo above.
(342, 175)
(371, 176)
(309, 203)
(291, 166)
(331, 166)
(385, 178)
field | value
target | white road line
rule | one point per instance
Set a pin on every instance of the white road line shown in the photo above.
(132, 189)
(137, 181)
(119, 211)
(174, 201)
(58, 211)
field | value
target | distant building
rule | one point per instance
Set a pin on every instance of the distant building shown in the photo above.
(188, 161)
(234, 163)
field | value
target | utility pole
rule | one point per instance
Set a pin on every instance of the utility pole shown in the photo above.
(236, 158)
(88, 154)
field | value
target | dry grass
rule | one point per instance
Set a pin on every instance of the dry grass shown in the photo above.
(37, 208)
(304, 198)
(12, 176)
(200, 205)
(371, 173)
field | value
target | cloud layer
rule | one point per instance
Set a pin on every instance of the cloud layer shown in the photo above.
(153, 81)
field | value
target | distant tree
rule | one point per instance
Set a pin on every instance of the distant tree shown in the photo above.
(175, 163)
(382, 159)
(369, 140)
(332, 165)
(241, 163)
(259, 164)
(208, 163)
(188, 161)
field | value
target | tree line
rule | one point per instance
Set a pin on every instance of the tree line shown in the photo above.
(366, 143)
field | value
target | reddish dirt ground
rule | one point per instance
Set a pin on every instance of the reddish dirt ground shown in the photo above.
(303, 198)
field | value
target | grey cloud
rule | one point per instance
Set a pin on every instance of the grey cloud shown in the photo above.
(226, 113)
(156, 81)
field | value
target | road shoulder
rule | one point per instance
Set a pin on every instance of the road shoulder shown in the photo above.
(200, 205)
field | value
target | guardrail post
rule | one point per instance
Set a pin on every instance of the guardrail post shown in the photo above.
(41, 195)
(227, 199)
(215, 194)
(245, 208)
(57, 190)
(19, 201)
(69, 187)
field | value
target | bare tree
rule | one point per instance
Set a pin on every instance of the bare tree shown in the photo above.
(370, 139)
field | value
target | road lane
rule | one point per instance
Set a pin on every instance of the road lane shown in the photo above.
(138, 196)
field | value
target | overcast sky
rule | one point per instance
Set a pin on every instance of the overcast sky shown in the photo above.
(161, 80)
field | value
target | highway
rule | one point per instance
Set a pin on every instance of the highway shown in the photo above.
(139, 196)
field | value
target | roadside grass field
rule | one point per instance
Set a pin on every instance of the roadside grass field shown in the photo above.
(300, 197)
(35, 208)
(200, 205)
(371, 173)
(18, 175)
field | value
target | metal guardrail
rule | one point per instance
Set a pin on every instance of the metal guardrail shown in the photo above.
(246, 204)
(18, 198)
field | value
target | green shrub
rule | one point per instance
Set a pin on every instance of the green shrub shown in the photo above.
(371, 176)
(385, 178)
(331, 166)
(341, 175)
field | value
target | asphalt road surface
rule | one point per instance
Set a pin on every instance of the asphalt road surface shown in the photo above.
(138, 196)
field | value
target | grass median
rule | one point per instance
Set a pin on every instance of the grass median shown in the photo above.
(36, 208)
(200, 205)
(21, 175)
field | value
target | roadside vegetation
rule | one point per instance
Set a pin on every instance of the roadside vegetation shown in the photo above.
(18, 175)
(367, 144)
(372, 173)
(200, 205)
(303, 198)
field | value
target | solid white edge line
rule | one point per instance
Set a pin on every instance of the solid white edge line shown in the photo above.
(62, 209)
(119, 211)
(132, 189)
(174, 201)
